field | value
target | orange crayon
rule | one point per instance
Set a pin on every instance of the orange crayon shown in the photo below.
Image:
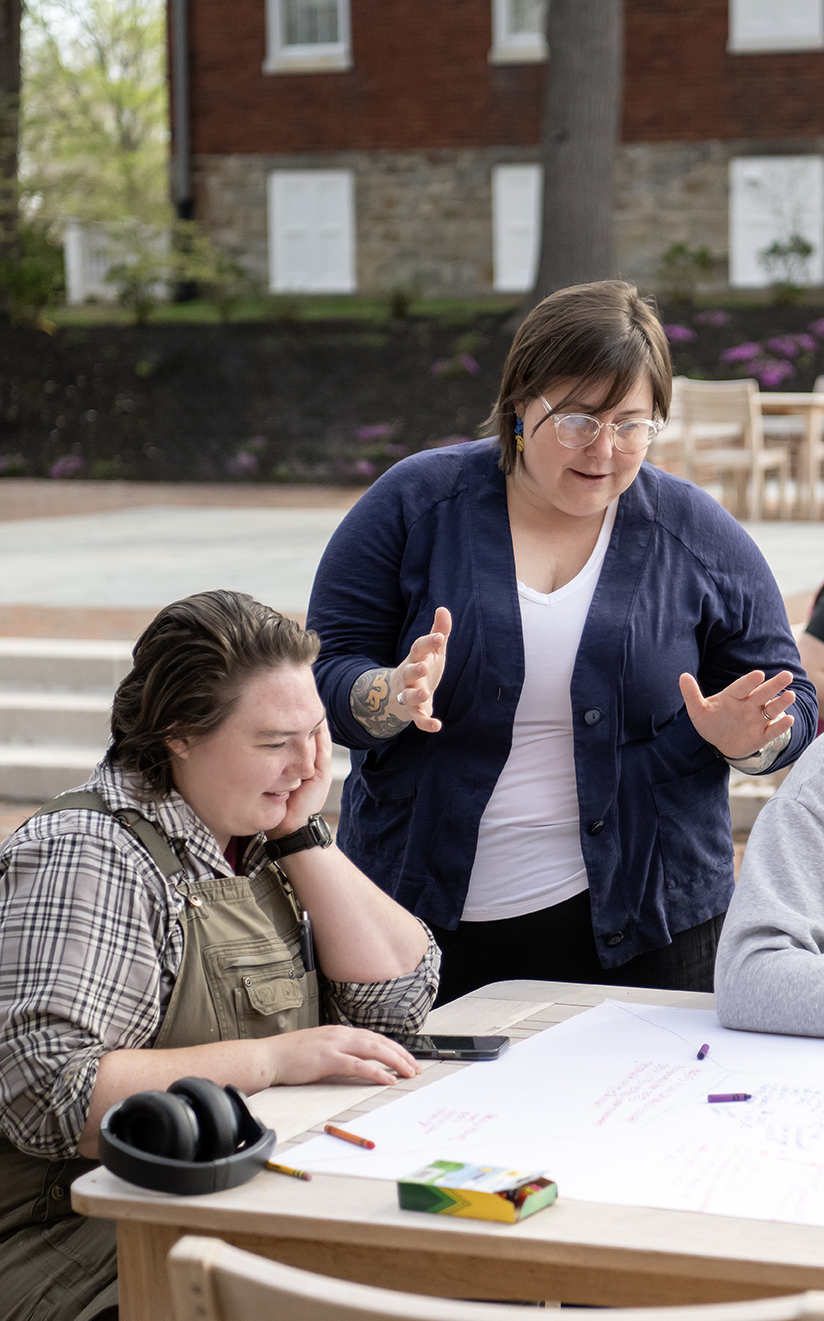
(348, 1137)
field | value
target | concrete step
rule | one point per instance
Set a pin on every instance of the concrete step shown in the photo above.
(34, 770)
(64, 662)
(748, 794)
(55, 706)
(54, 714)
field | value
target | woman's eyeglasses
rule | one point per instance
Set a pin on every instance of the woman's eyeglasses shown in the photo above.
(575, 431)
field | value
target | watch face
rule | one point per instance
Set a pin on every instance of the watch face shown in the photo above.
(321, 833)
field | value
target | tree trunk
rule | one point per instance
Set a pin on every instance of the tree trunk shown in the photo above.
(582, 109)
(10, 12)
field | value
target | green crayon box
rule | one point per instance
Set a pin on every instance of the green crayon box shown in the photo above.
(479, 1192)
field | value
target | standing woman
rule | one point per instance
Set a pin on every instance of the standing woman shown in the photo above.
(549, 790)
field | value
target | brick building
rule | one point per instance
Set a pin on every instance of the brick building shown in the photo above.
(341, 145)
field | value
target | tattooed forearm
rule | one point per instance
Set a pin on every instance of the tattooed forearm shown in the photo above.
(369, 704)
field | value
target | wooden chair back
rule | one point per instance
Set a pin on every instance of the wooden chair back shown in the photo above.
(212, 1281)
(720, 413)
(667, 450)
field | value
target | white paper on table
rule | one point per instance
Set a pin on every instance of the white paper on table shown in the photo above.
(612, 1104)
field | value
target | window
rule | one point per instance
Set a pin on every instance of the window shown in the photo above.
(518, 28)
(311, 232)
(306, 36)
(775, 200)
(516, 225)
(776, 25)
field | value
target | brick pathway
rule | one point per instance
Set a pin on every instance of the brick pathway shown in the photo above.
(40, 498)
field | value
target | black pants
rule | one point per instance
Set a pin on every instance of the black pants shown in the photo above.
(557, 945)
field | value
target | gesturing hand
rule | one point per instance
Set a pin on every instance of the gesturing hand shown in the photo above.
(414, 681)
(743, 717)
(343, 1052)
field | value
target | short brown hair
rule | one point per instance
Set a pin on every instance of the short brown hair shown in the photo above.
(603, 331)
(189, 666)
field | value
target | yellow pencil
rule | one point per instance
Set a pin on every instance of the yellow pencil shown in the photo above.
(287, 1169)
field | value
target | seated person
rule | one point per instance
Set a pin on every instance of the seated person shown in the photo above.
(769, 974)
(146, 934)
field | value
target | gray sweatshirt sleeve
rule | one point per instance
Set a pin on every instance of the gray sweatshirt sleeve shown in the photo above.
(769, 975)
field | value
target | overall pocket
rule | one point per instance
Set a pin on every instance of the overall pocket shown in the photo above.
(259, 989)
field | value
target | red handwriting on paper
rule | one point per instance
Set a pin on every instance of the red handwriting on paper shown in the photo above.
(466, 1123)
(642, 1092)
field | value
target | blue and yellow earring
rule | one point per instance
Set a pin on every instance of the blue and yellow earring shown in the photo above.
(519, 434)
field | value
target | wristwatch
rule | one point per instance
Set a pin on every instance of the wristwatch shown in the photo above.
(315, 834)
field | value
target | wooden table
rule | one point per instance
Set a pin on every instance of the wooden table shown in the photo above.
(580, 1252)
(810, 407)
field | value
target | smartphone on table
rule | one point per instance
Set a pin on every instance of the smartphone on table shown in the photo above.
(453, 1048)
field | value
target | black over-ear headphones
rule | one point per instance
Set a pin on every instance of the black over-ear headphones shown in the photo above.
(196, 1137)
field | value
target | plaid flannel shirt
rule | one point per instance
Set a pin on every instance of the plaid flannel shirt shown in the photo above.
(90, 946)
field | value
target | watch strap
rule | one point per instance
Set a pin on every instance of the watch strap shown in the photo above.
(315, 834)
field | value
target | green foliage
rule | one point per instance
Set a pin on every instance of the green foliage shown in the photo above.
(287, 308)
(220, 279)
(34, 279)
(787, 264)
(148, 259)
(682, 269)
(94, 136)
(400, 303)
(402, 297)
(291, 308)
(141, 266)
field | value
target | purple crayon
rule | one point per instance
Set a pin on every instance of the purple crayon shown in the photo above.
(730, 1096)
(703, 1052)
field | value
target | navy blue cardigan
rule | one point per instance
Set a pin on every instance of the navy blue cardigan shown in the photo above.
(682, 587)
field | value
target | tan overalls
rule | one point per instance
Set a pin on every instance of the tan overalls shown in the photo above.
(241, 976)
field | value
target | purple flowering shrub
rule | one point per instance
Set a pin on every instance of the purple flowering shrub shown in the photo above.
(680, 334)
(334, 403)
(68, 465)
(741, 353)
(713, 317)
(716, 346)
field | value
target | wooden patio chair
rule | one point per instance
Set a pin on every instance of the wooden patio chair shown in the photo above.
(667, 450)
(212, 1281)
(791, 430)
(723, 433)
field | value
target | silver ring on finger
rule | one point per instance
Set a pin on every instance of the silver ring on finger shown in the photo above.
(401, 701)
(765, 713)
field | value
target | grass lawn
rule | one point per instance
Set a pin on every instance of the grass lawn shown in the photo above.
(285, 308)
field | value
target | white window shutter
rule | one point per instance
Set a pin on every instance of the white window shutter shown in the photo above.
(311, 231)
(775, 25)
(516, 224)
(771, 199)
(518, 28)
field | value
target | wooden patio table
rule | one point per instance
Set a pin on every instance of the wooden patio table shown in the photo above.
(579, 1252)
(810, 407)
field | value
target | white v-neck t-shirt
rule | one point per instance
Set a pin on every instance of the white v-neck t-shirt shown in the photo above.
(529, 850)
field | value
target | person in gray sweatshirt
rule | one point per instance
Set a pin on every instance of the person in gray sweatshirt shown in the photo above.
(769, 973)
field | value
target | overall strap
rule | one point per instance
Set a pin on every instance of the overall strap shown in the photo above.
(157, 846)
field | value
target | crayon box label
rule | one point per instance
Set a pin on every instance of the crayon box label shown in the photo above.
(479, 1192)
